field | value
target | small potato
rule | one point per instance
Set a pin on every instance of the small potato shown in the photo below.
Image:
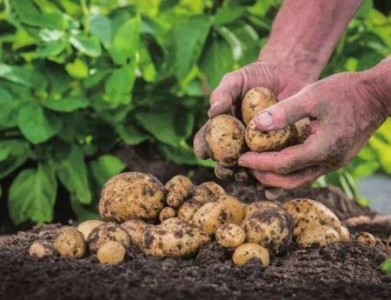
(105, 233)
(226, 209)
(309, 213)
(344, 234)
(87, 226)
(257, 206)
(366, 238)
(70, 242)
(135, 229)
(255, 100)
(303, 129)
(111, 253)
(173, 238)
(249, 251)
(41, 249)
(319, 235)
(207, 191)
(132, 195)
(223, 173)
(230, 235)
(270, 228)
(167, 213)
(178, 188)
(187, 210)
(225, 138)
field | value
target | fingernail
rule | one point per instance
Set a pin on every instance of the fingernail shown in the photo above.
(242, 162)
(264, 119)
(214, 107)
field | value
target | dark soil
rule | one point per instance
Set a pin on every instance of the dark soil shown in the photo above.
(345, 270)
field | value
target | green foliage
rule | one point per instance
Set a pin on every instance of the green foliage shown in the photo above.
(78, 78)
(386, 266)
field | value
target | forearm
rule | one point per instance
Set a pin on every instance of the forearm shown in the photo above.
(305, 33)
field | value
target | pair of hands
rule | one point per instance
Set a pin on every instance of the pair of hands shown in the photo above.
(343, 110)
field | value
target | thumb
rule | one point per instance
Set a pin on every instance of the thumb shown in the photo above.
(285, 112)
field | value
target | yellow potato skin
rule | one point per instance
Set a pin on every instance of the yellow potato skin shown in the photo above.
(318, 235)
(344, 234)
(255, 100)
(135, 229)
(87, 226)
(111, 253)
(366, 238)
(178, 188)
(70, 242)
(41, 249)
(187, 210)
(248, 251)
(105, 233)
(167, 213)
(230, 235)
(207, 191)
(132, 195)
(251, 208)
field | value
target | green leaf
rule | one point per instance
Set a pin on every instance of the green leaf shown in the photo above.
(36, 124)
(72, 172)
(216, 60)
(229, 13)
(66, 104)
(52, 48)
(82, 212)
(32, 195)
(100, 26)
(130, 134)
(23, 76)
(9, 110)
(18, 152)
(119, 85)
(77, 69)
(386, 266)
(126, 41)
(87, 45)
(365, 8)
(106, 167)
(184, 155)
(187, 41)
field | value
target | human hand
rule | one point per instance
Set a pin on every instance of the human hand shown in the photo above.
(344, 111)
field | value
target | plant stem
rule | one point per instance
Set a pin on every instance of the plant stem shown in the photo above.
(86, 13)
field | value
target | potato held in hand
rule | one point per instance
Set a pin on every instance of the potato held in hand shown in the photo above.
(132, 195)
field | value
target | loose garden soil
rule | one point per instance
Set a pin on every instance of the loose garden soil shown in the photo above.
(344, 270)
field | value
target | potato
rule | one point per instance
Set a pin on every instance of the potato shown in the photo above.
(105, 233)
(132, 195)
(201, 148)
(166, 213)
(135, 229)
(173, 238)
(187, 210)
(230, 235)
(319, 235)
(255, 100)
(366, 238)
(207, 191)
(87, 226)
(250, 208)
(344, 234)
(249, 251)
(270, 228)
(303, 130)
(223, 173)
(70, 242)
(225, 138)
(111, 253)
(178, 188)
(41, 249)
(226, 209)
(309, 213)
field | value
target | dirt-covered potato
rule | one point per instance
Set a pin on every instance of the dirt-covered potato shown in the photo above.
(225, 138)
(226, 209)
(135, 229)
(366, 238)
(344, 234)
(249, 251)
(270, 228)
(201, 148)
(41, 248)
(178, 188)
(303, 130)
(187, 210)
(230, 235)
(132, 195)
(166, 213)
(255, 100)
(87, 226)
(70, 242)
(207, 191)
(318, 235)
(250, 208)
(111, 253)
(309, 213)
(223, 173)
(105, 233)
(173, 238)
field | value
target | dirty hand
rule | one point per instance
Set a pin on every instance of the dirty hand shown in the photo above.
(344, 109)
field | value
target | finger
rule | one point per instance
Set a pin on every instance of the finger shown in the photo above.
(200, 146)
(290, 181)
(286, 161)
(287, 112)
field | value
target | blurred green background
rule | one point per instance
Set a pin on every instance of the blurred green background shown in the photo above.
(80, 78)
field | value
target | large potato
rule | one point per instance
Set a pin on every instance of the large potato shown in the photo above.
(270, 228)
(132, 195)
(309, 213)
(318, 235)
(251, 208)
(105, 233)
(173, 238)
(70, 242)
(225, 138)
(226, 209)
(178, 188)
(135, 229)
(207, 191)
(250, 251)
(255, 100)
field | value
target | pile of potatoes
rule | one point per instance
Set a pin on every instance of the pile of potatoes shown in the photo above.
(226, 137)
(176, 219)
